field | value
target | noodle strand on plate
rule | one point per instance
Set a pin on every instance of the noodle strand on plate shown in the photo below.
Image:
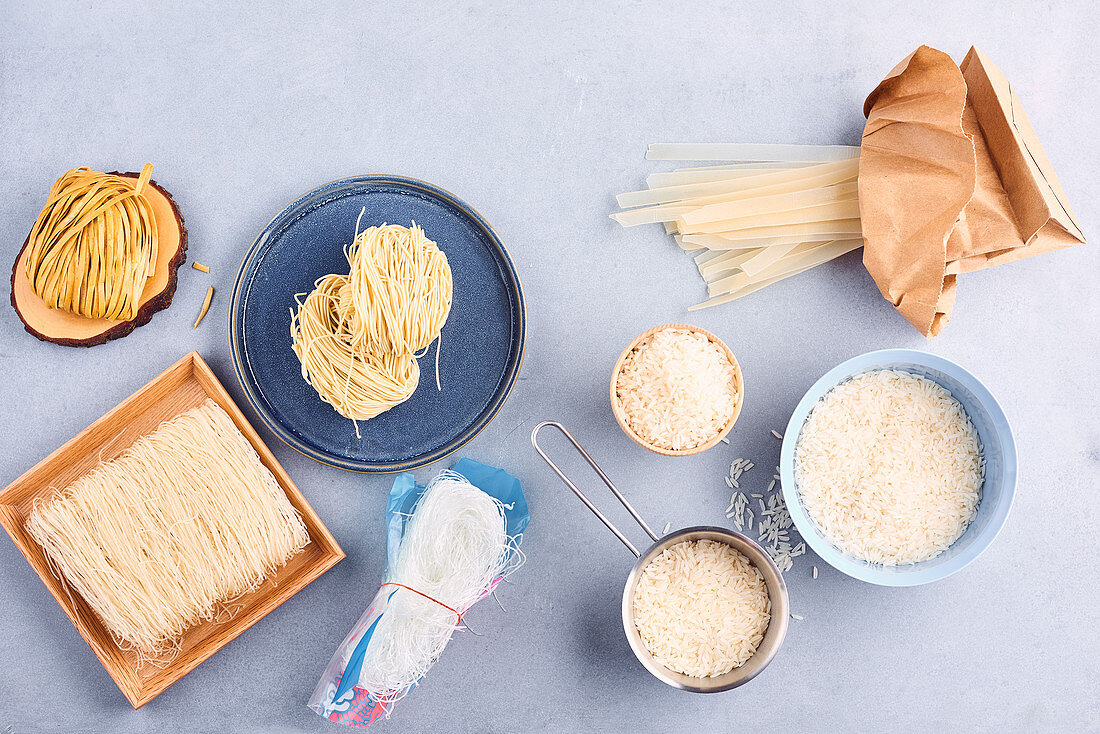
(358, 336)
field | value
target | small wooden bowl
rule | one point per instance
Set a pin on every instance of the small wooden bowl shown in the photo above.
(620, 415)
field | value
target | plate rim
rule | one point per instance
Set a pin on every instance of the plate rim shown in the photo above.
(360, 467)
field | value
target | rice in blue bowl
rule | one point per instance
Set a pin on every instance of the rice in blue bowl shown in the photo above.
(999, 453)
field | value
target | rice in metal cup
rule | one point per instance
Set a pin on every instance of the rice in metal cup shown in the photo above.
(777, 589)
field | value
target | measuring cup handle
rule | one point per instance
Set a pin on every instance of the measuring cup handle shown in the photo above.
(580, 495)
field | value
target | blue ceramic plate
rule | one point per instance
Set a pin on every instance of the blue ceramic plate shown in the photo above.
(483, 338)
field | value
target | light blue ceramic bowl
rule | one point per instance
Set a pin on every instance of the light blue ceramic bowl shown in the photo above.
(1000, 467)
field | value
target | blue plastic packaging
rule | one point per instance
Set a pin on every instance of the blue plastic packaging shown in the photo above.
(337, 697)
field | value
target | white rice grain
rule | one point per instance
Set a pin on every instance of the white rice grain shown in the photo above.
(890, 467)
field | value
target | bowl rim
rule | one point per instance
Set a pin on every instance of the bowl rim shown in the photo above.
(773, 636)
(861, 569)
(620, 415)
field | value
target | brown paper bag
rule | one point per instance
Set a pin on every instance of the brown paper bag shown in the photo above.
(952, 179)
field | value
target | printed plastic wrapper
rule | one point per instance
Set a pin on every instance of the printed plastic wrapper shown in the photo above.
(337, 696)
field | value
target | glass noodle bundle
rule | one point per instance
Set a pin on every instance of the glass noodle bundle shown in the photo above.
(454, 552)
(358, 336)
(448, 545)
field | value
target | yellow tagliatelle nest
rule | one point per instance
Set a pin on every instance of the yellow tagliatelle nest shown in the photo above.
(94, 245)
(358, 336)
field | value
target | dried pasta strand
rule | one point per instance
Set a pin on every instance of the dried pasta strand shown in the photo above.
(813, 253)
(835, 230)
(832, 229)
(726, 262)
(650, 215)
(745, 290)
(678, 209)
(760, 183)
(703, 174)
(751, 224)
(94, 244)
(773, 203)
(748, 152)
(736, 286)
(810, 214)
(731, 260)
(686, 246)
(759, 263)
(205, 306)
(748, 165)
(358, 336)
(200, 266)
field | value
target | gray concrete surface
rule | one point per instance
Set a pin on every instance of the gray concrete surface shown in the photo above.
(537, 114)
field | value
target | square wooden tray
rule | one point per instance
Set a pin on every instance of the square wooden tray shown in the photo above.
(182, 386)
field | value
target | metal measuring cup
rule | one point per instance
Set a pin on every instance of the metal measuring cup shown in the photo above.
(777, 590)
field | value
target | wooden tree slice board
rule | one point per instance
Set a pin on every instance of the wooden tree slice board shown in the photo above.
(72, 330)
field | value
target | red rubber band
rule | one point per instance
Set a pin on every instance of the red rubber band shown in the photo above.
(457, 613)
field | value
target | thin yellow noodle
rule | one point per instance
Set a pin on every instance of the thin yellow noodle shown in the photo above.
(164, 536)
(205, 306)
(94, 244)
(358, 336)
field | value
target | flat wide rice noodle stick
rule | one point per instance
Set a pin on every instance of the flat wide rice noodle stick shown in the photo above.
(719, 283)
(727, 262)
(705, 174)
(813, 255)
(761, 261)
(670, 211)
(831, 230)
(748, 152)
(783, 202)
(761, 182)
(758, 165)
(805, 232)
(796, 262)
(734, 281)
(710, 256)
(716, 242)
(745, 290)
(686, 246)
(666, 179)
(651, 215)
(845, 174)
(767, 222)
